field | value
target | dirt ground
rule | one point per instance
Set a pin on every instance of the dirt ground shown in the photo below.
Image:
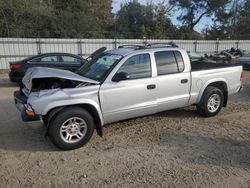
(172, 149)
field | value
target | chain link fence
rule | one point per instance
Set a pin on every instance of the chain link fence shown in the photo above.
(13, 49)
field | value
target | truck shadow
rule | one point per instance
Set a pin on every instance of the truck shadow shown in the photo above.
(201, 150)
(186, 112)
(25, 137)
(189, 112)
(20, 136)
(17, 135)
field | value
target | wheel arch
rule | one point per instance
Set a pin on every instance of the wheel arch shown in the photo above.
(220, 84)
(89, 107)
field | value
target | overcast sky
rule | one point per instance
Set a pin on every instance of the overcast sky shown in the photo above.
(199, 27)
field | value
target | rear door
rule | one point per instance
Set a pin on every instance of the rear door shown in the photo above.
(133, 97)
(173, 80)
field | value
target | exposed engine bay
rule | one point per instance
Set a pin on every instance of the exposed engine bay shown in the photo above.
(54, 83)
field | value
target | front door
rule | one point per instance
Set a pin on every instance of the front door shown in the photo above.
(133, 97)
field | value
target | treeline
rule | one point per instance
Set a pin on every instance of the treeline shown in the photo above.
(94, 19)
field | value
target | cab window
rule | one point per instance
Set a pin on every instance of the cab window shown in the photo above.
(169, 62)
(138, 66)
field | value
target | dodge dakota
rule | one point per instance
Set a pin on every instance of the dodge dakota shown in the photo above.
(119, 84)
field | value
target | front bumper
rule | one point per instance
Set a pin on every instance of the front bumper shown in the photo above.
(241, 88)
(21, 101)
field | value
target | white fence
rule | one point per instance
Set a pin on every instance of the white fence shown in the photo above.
(13, 49)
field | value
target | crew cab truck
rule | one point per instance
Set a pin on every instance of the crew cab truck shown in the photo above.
(119, 84)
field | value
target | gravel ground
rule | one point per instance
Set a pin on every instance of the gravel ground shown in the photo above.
(177, 148)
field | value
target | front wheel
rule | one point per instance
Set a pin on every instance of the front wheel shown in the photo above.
(71, 128)
(211, 102)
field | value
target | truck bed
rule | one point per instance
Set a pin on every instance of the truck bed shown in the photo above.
(203, 74)
(198, 66)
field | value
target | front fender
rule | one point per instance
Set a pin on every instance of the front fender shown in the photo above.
(59, 104)
(43, 102)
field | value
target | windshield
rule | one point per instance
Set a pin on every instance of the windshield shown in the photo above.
(98, 67)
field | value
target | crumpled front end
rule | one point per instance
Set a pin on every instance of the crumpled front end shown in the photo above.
(42, 78)
(45, 88)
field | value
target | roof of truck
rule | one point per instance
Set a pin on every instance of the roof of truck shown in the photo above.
(121, 51)
(128, 49)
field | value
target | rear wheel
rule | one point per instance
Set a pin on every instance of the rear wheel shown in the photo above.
(211, 102)
(71, 128)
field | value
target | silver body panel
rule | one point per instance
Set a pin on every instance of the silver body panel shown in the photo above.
(44, 101)
(201, 79)
(116, 101)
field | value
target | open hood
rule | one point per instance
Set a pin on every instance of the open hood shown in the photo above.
(96, 53)
(43, 72)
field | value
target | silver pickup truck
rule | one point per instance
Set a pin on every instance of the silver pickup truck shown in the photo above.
(119, 84)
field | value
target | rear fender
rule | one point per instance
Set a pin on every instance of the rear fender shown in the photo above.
(220, 83)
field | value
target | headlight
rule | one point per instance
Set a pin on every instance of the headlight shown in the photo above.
(29, 110)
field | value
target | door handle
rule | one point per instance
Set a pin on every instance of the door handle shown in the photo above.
(184, 81)
(152, 86)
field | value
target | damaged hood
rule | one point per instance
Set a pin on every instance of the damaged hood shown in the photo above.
(44, 72)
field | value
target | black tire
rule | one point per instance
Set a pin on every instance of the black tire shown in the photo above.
(60, 118)
(202, 107)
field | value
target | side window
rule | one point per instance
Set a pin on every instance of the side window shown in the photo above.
(166, 62)
(179, 60)
(49, 59)
(138, 66)
(70, 59)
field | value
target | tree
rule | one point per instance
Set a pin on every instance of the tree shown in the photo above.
(230, 22)
(74, 19)
(102, 9)
(194, 10)
(242, 29)
(140, 21)
(54, 18)
(22, 18)
(149, 23)
(163, 26)
(130, 19)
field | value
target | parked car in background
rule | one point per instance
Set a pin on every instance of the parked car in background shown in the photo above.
(244, 61)
(52, 60)
(197, 57)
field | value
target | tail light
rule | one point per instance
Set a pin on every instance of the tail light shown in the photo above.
(15, 66)
(241, 76)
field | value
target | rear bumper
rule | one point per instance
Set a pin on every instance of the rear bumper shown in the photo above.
(21, 102)
(15, 76)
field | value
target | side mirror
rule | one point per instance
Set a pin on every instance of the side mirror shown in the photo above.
(120, 76)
